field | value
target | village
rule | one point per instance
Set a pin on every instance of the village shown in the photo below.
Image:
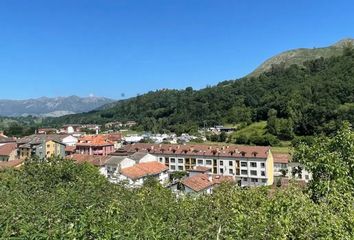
(178, 163)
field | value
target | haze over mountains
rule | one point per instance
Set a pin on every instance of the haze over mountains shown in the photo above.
(51, 107)
(60, 106)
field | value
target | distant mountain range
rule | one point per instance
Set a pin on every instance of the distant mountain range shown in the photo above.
(301, 55)
(308, 91)
(51, 107)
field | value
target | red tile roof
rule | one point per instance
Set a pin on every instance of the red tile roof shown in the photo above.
(217, 179)
(232, 151)
(198, 182)
(93, 159)
(281, 158)
(200, 169)
(11, 164)
(7, 149)
(202, 181)
(70, 148)
(94, 140)
(143, 169)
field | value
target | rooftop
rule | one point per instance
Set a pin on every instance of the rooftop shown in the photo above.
(281, 157)
(143, 169)
(11, 164)
(93, 159)
(94, 140)
(7, 149)
(203, 181)
(232, 151)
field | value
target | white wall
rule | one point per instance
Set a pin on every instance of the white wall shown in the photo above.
(148, 158)
(70, 141)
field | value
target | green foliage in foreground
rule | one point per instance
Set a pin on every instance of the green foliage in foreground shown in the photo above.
(58, 199)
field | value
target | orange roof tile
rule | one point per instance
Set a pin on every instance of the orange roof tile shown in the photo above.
(93, 159)
(200, 169)
(11, 164)
(202, 181)
(197, 182)
(281, 158)
(231, 151)
(94, 140)
(7, 149)
(143, 169)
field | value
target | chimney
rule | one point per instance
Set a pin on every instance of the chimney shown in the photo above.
(96, 130)
(210, 178)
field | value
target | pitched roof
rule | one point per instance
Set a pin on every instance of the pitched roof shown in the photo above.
(143, 169)
(231, 151)
(4, 139)
(7, 149)
(202, 181)
(115, 160)
(94, 140)
(11, 164)
(138, 156)
(200, 169)
(93, 159)
(40, 138)
(217, 179)
(281, 158)
(70, 148)
(197, 182)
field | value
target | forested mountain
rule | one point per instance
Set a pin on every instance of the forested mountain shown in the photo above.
(301, 55)
(50, 107)
(310, 98)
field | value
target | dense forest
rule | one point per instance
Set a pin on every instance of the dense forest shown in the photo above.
(58, 199)
(296, 100)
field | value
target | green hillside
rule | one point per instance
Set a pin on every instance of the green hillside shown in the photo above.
(301, 55)
(312, 98)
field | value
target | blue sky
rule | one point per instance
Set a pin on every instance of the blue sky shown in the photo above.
(109, 47)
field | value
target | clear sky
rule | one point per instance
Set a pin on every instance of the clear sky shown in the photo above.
(109, 47)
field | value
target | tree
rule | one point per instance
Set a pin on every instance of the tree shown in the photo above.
(331, 161)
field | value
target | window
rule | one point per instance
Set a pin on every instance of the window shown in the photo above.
(253, 164)
(262, 165)
(193, 161)
(231, 163)
(172, 160)
(231, 171)
(161, 159)
(244, 172)
(221, 163)
(180, 160)
(221, 170)
(307, 177)
(180, 168)
(208, 162)
(245, 179)
(243, 164)
(173, 167)
(263, 173)
(253, 172)
(264, 180)
(200, 162)
(48, 146)
(254, 180)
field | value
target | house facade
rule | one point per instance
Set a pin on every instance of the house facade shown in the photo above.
(94, 145)
(8, 152)
(250, 165)
(42, 146)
